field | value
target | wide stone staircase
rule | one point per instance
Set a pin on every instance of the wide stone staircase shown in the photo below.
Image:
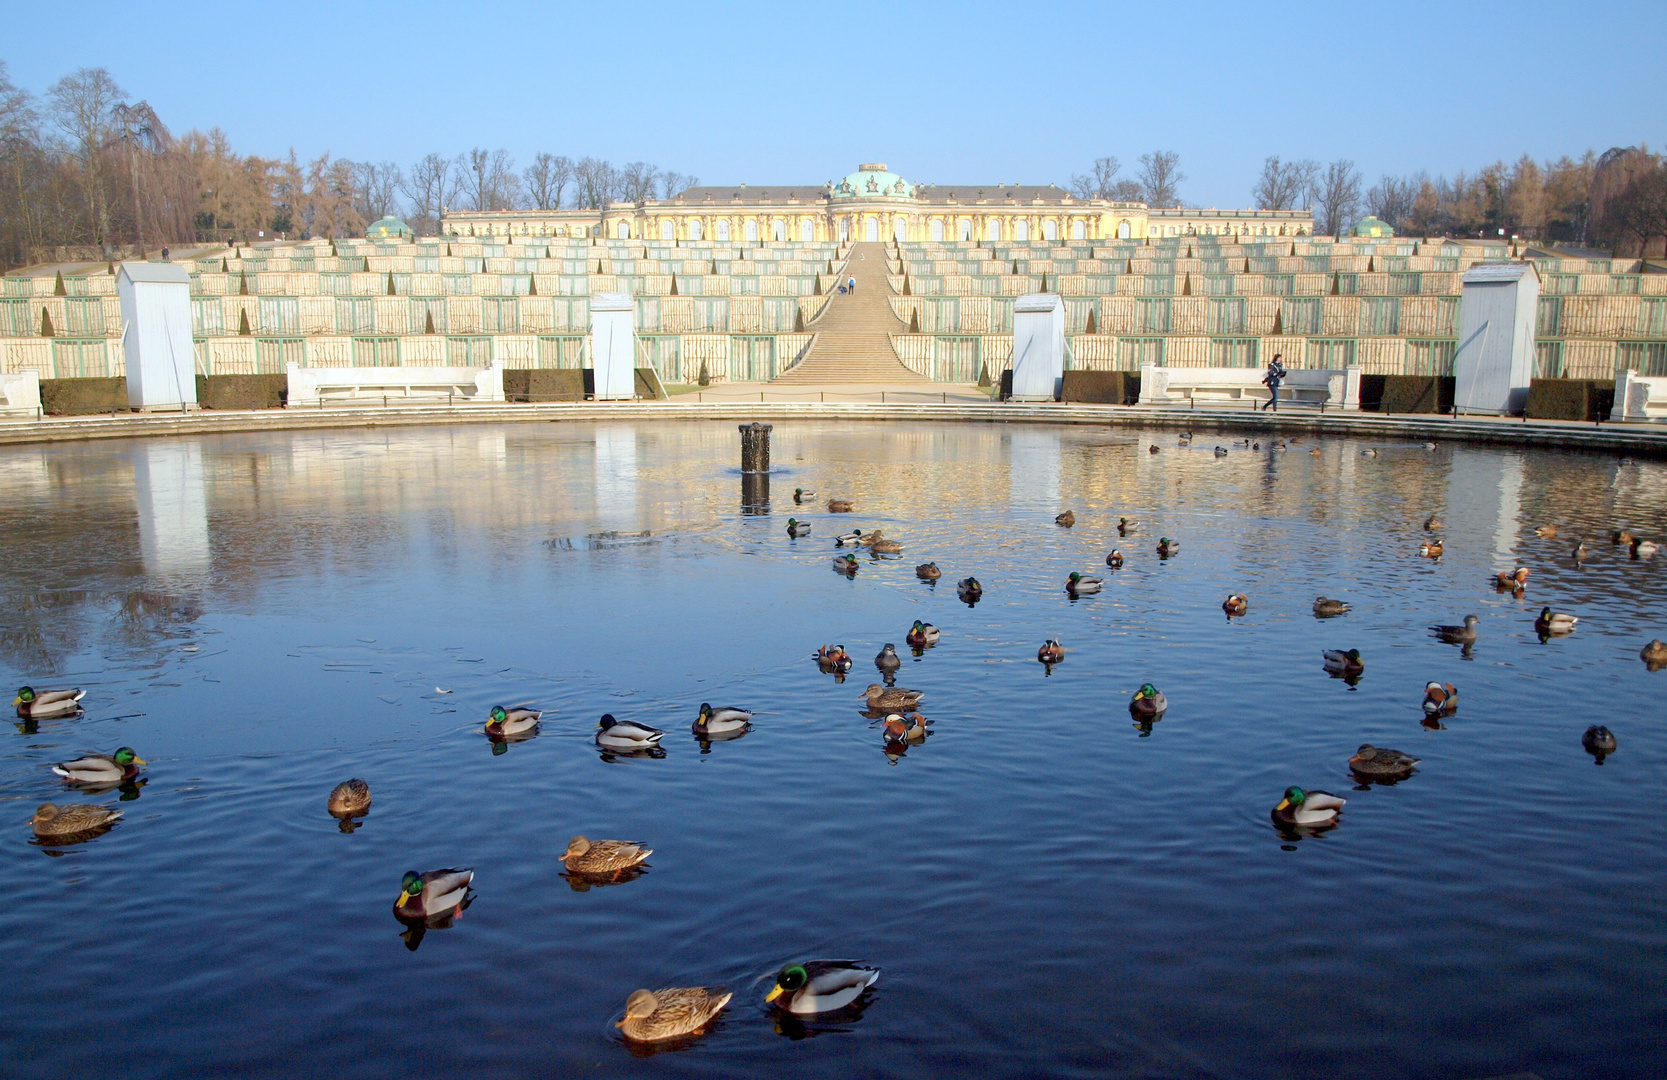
(851, 343)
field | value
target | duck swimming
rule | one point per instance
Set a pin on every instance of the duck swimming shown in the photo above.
(1326, 608)
(1430, 549)
(626, 734)
(721, 721)
(852, 537)
(969, 589)
(511, 721)
(350, 798)
(1621, 536)
(1433, 523)
(1580, 552)
(1235, 604)
(434, 894)
(1370, 761)
(1125, 526)
(101, 768)
(921, 635)
(800, 495)
(879, 545)
(1644, 549)
(1654, 654)
(839, 506)
(928, 571)
(35, 704)
(820, 986)
(1516, 579)
(1458, 635)
(1440, 698)
(846, 564)
(1077, 585)
(890, 699)
(1051, 652)
(1598, 740)
(833, 658)
(888, 660)
(584, 856)
(1168, 547)
(1554, 622)
(72, 819)
(797, 528)
(1114, 559)
(1308, 808)
(1341, 662)
(1148, 703)
(671, 1012)
(1065, 520)
(1546, 532)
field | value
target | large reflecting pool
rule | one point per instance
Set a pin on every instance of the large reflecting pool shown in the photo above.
(1048, 888)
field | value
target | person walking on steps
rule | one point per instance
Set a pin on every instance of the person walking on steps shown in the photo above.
(852, 284)
(1276, 373)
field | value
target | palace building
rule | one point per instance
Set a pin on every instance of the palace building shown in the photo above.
(873, 204)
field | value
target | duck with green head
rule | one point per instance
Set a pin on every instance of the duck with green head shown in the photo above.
(846, 564)
(1148, 703)
(101, 768)
(800, 495)
(1346, 662)
(35, 704)
(820, 986)
(797, 528)
(922, 635)
(1168, 547)
(513, 720)
(725, 720)
(969, 589)
(1077, 585)
(435, 894)
(1307, 808)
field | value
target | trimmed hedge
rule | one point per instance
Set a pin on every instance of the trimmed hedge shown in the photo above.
(242, 391)
(571, 384)
(1406, 393)
(1571, 399)
(83, 397)
(1102, 387)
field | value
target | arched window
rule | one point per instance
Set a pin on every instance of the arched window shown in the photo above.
(966, 229)
(623, 231)
(723, 230)
(1050, 230)
(844, 229)
(937, 230)
(900, 230)
(1021, 231)
(807, 231)
(995, 230)
(752, 230)
(778, 229)
(871, 229)
(1079, 230)
(668, 231)
(1122, 230)
(694, 231)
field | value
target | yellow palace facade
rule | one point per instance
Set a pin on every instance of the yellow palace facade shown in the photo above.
(875, 204)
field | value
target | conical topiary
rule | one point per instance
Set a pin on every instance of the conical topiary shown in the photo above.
(112, 268)
(1279, 321)
(1247, 264)
(224, 269)
(532, 286)
(673, 285)
(428, 328)
(983, 374)
(391, 284)
(799, 321)
(704, 379)
(914, 321)
(448, 251)
(816, 289)
(46, 324)
(243, 283)
(1186, 285)
(243, 323)
(58, 285)
(1370, 264)
(1093, 324)
(1334, 288)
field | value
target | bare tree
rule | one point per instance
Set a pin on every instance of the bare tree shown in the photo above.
(431, 185)
(673, 184)
(597, 182)
(84, 104)
(546, 177)
(489, 179)
(1391, 200)
(637, 181)
(1161, 178)
(1127, 191)
(1284, 185)
(1337, 196)
(141, 130)
(1098, 184)
(374, 187)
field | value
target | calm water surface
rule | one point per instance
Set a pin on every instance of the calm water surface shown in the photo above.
(1048, 889)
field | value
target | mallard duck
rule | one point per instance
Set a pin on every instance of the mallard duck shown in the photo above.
(71, 819)
(797, 528)
(1077, 585)
(1429, 446)
(921, 635)
(720, 721)
(820, 986)
(969, 589)
(1221, 451)
(928, 571)
(1185, 436)
(1369, 452)
(1344, 662)
(800, 495)
(671, 1013)
(1516, 579)
(1463, 634)
(1235, 604)
(350, 798)
(846, 564)
(1644, 549)
(101, 768)
(879, 545)
(1300, 807)
(839, 506)
(1148, 703)
(1371, 761)
(888, 660)
(511, 721)
(585, 856)
(1051, 652)
(1326, 608)
(1065, 520)
(1151, 449)
(1430, 549)
(1554, 622)
(1433, 523)
(890, 699)
(1598, 740)
(434, 894)
(1621, 536)
(833, 658)
(1125, 526)
(1580, 552)
(1168, 547)
(626, 734)
(1114, 559)
(35, 704)
(1440, 698)
(852, 537)
(1546, 532)
(1654, 654)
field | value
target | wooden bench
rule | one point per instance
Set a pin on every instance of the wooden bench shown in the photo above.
(375, 385)
(1306, 387)
(20, 394)
(1639, 397)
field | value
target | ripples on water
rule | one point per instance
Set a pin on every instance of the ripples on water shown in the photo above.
(1046, 890)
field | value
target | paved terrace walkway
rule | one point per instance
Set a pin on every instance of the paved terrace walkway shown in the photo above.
(851, 347)
(1640, 440)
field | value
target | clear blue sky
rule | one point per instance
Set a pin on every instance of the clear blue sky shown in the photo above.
(973, 92)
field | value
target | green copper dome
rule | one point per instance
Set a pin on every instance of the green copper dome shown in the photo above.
(387, 228)
(1371, 226)
(873, 182)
